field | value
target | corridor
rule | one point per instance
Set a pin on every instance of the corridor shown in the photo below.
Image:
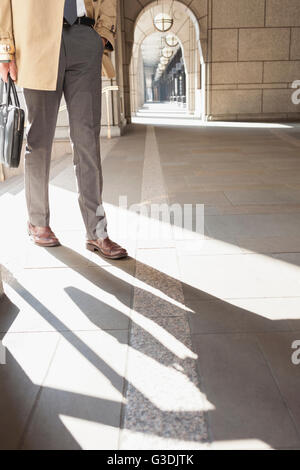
(188, 343)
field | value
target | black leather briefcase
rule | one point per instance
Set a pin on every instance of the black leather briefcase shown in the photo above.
(12, 119)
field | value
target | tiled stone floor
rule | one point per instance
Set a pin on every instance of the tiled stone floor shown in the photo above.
(188, 343)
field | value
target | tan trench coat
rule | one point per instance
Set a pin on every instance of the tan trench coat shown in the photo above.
(30, 31)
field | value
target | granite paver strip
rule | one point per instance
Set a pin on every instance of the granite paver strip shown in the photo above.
(165, 406)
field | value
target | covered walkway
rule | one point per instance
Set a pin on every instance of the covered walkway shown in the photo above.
(188, 343)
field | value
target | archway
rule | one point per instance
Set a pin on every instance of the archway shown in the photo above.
(190, 65)
(164, 77)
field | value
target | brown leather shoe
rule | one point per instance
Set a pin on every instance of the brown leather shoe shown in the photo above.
(106, 248)
(42, 236)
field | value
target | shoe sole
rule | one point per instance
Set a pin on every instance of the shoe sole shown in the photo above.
(44, 245)
(95, 249)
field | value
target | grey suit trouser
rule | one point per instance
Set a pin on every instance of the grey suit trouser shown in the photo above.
(79, 79)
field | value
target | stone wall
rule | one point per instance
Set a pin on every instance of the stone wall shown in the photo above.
(253, 58)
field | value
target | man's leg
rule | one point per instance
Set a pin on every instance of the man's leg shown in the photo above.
(82, 90)
(42, 107)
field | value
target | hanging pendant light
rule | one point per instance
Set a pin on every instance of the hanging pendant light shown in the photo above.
(163, 22)
(171, 40)
(167, 52)
(164, 60)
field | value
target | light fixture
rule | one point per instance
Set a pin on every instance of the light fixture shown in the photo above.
(167, 52)
(171, 40)
(163, 60)
(163, 22)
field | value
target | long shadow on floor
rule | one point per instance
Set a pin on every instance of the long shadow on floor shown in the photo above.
(242, 416)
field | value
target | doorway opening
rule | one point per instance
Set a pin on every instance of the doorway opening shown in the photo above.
(167, 70)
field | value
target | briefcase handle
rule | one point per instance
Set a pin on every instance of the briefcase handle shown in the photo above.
(10, 87)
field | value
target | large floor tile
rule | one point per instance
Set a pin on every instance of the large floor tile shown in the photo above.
(253, 209)
(241, 316)
(239, 444)
(162, 260)
(9, 311)
(278, 349)
(199, 197)
(291, 258)
(195, 181)
(244, 397)
(207, 246)
(238, 276)
(60, 257)
(65, 299)
(272, 244)
(279, 196)
(80, 403)
(28, 357)
(252, 225)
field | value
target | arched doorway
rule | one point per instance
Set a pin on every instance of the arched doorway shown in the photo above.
(181, 78)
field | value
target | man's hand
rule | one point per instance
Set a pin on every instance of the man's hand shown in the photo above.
(8, 67)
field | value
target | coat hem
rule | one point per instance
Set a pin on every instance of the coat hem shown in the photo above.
(30, 86)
